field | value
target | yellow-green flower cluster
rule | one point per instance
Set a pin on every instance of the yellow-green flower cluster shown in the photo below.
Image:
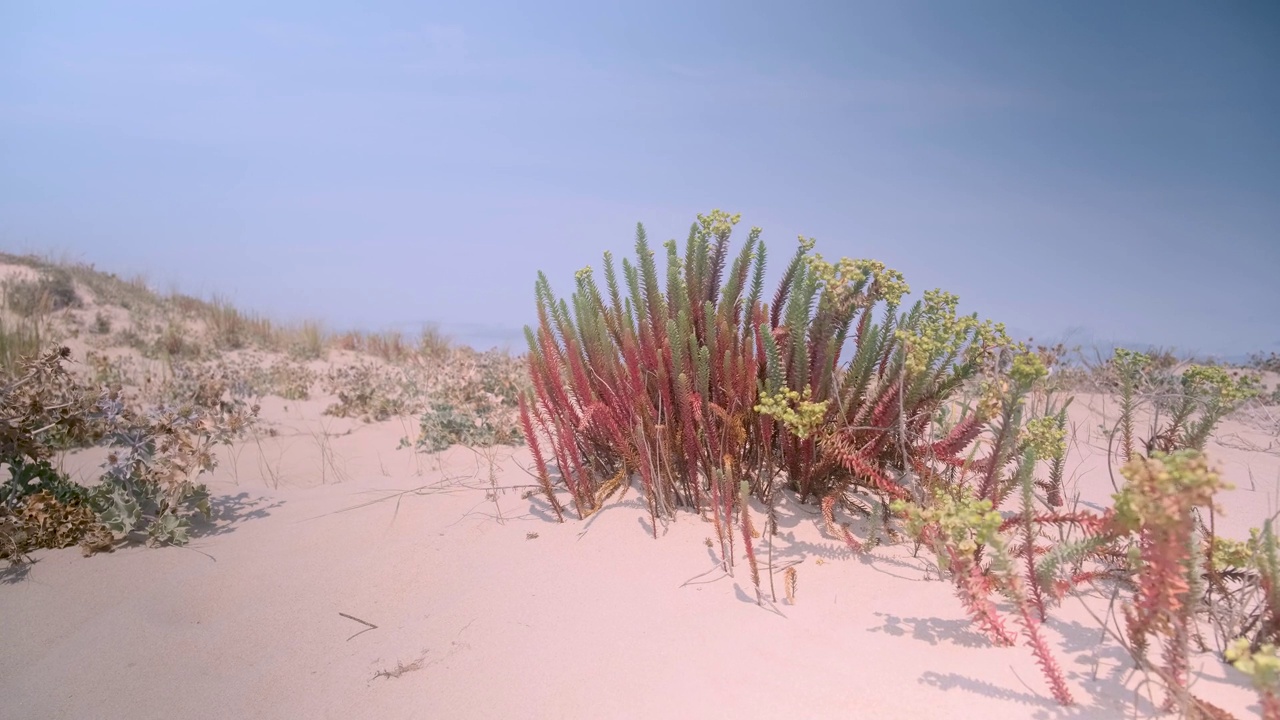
(1027, 368)
(989, 335)
(1262, 667)
(1219, 384)
(939, 332)
(1128, 361)
(583, 274)
(1228, 553)
(1045, 437)
(963, 523)
(871, 277)
(794, 410)
(991, 396)
(889, 283)
(1162, 488)
(718, 224)
(1244, 554)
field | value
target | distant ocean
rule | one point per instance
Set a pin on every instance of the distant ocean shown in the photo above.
(511, 337)
(477, 335)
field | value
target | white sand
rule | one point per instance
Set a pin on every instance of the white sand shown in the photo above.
(475, 619)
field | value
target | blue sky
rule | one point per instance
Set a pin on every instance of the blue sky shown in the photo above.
(1112, 168)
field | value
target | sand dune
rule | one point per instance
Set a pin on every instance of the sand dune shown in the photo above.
(485, 607)
(345, 575)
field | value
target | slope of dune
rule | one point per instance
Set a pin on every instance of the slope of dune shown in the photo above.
(346, 575)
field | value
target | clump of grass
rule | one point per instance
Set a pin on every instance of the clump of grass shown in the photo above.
(19, 338)
(51, 291)
(228, 327)
(307, 341)
(101, 324)
(350, 341)
(389, 346)
(432, 343)
(187, 305)
(1269, 362)
(175, 343)
(233, 329)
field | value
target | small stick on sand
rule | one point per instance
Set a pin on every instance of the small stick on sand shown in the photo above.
(370, 625)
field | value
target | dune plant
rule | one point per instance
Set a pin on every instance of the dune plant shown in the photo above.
(232, 329)
(1266, 362)
(307, 341)
(1208, 395)
(1242, 587)
(1019, 563)
(149, 482)
(52, 290)
(433, 343)
(694, 383)
(1002, 564)
(1185, 408)
(19, 338)
(1150, 546)
(389, 345)
(1128, 367)
(1156, 508)
(714, 397)
(444, 424)
(1263, 668)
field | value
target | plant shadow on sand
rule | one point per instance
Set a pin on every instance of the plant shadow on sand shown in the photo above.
(1101, 668)
(1097, 667)
(932, 630)
(1079, 643)
(229, 512)
(14, 573)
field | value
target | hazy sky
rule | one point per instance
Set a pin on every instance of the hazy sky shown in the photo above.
(1099, 165)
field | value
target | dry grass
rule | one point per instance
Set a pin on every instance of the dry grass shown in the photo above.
(432, 343)
(232, 329)
(391, 346)
(307, 341)
(19, 338)
(400, 669)
(52, 291)
(388, 345)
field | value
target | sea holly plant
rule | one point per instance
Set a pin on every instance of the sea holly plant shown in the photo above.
(150, 481)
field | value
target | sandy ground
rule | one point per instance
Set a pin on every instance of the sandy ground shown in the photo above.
(485, 607)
